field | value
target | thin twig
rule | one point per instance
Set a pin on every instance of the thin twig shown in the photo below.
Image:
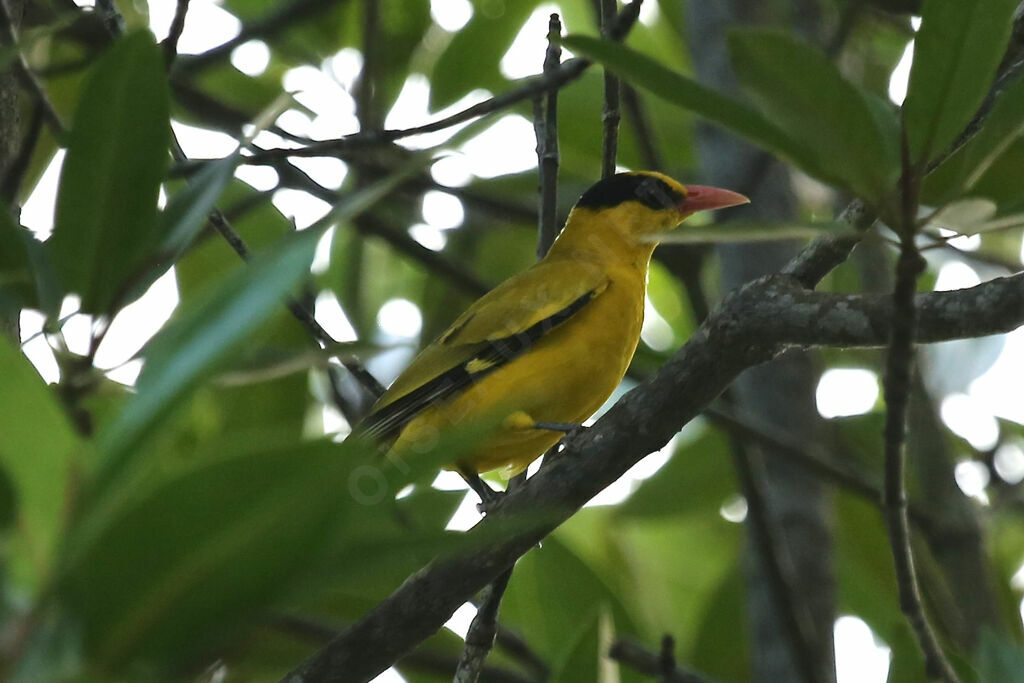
(545, 125)
(299, 311)
(610, 115)
(655, 665)
(322, 338)
(567, 71)
(819, 464)
(513, 645)
(484, 627)
(899, 367)
(472, 198)
(668, 656)
(272, 24)
(319, 632)
(170, 43)
(482, 631)
(398, 239)
(794, 613)
(365, 89)
(641, 122)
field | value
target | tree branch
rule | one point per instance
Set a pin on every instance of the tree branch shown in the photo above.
(545, 124)
(899, 368)
(610, 115)
(751, 326)
(170, 44)
(482, 631)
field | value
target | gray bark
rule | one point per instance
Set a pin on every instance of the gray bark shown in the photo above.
(780, 394)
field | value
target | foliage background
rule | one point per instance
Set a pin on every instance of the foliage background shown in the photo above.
(201, 527)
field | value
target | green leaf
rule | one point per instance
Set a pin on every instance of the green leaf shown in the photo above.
(957, 50)
(186, 212)
(724, 609)
(196, 343)
(1002, 127)
(117, 155)
(17, 276)
(697, 480)
(720, 109)
(36, 453)
(809, 99)
(999, 658)
(182, 566)
(974, 215)
(472, 57)
(763, 231)
(555, 575)
(184, 217)
(587, 657)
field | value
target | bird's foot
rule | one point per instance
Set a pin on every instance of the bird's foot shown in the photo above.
(489, 498)
(569, 428)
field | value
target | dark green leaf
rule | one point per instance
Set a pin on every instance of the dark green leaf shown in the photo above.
(182, 566)
(106, 205)
(472, 57)
(184, 216)
(956, 54)
(725, 611)
(555, 575)
(698, 479)
(720, 233)
(999, 658)
(1003, 125)
(808, 98)
(193, 345)
(36, 453)
(724, 111)
(17, 275)
(586, 657)
(974, 215)
(186, 212)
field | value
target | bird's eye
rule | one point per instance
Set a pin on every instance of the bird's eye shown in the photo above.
(654, 193)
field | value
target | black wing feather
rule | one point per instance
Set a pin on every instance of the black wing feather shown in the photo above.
(389, 420)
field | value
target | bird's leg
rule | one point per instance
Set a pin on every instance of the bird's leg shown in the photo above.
(522, 420)
(567, 427)
(488, 496)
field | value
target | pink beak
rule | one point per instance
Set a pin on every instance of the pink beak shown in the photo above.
(704, 198)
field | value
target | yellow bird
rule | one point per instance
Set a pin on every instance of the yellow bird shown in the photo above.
(549, 345)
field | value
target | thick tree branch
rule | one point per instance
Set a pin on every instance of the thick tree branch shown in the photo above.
(751, 326)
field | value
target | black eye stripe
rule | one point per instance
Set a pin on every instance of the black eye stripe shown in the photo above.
(652, 192)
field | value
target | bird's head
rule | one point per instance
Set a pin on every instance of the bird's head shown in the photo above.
(642, 203)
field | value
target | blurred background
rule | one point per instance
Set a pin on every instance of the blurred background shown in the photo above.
(668, 548)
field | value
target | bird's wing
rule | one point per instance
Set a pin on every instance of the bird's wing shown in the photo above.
(500, 326)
